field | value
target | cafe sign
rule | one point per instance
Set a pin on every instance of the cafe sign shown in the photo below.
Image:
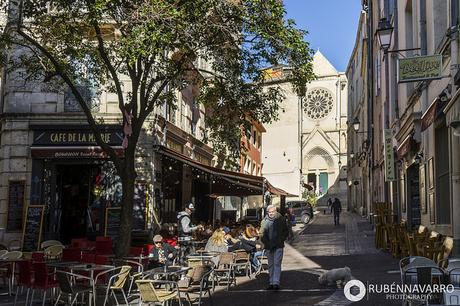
(419, 68)
(390, 173)
(76, 136)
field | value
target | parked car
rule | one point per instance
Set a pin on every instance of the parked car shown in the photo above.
(302, 210)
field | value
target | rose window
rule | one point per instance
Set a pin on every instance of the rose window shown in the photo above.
(318, 103)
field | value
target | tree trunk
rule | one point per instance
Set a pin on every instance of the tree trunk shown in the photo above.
(128, 179)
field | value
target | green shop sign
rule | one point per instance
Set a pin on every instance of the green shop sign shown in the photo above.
(419, 68)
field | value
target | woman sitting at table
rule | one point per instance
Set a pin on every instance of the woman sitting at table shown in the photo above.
(162, 254)
(250, 237)
(217, 242)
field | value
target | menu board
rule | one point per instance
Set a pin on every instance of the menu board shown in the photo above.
(112, 222)
(16, 191)
(140, 206)
(31, 236)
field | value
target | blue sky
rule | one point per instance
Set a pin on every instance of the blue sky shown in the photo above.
(331, 25)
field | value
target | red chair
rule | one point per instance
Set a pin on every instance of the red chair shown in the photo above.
(71, 254)
(43, 279)
(25, 278)
(103, 238)
(38, 256)
(88, 258)
(148, 248)
(171, 240)
(136, 251)
(102, 260)
(78, 243)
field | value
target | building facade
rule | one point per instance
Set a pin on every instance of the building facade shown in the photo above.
(307, 145)
(358, 170)
(414, 120)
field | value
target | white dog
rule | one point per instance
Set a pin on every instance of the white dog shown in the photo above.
(338, 276)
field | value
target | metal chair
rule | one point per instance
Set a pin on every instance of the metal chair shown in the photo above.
(116, 283)
(48, 243)
(150, 294)
(452, 298)
(43, 280)
(72, 290)
(137, 270)
(14, 245)
(242, 261)
(25, 279)
(3, 253)
(263, 263)
(53, 252)
(423, 275)
(225, 270)
(200, 283)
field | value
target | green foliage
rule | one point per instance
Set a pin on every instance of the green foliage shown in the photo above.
(310, 197)
(155, 43)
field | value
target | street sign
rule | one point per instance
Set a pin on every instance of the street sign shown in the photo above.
(390, 174)
(419, 68)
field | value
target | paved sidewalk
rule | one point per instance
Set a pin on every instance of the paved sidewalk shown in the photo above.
(351, 244)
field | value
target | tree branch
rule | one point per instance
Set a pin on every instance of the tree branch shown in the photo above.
(105, 57)
(60, 71)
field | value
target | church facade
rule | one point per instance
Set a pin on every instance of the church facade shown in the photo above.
(306, 146)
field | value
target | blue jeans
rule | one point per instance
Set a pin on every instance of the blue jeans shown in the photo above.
(255, 258)
(275, 257)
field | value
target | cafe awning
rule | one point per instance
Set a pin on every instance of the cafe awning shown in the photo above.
(225, 182)
(278, 191)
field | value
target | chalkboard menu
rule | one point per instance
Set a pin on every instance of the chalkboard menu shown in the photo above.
(31, 235)
(140, 206)
(112, 222)
(16, 191)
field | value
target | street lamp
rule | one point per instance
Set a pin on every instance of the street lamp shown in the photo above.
(356, 124)
(384, 32)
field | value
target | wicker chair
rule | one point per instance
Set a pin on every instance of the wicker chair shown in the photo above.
(151, 291)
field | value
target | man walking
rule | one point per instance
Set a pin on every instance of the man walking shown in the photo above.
(336, 208)
(273, 233)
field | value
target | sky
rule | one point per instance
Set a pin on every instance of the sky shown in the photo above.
(331, 24)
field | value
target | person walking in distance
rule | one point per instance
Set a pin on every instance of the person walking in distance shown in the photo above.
(273, 233)
(336, 208)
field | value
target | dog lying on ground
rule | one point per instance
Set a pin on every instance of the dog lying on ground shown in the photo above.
(338, 276)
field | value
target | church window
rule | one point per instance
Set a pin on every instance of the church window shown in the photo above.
(318, 104)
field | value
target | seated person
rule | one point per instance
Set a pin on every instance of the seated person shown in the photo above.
(162, 254)
(217, 243)
(250, 236)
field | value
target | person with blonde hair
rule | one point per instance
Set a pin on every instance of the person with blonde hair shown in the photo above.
(217, 242)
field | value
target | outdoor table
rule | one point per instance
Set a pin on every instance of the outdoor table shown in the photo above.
(167, 271)
(90, 268)
(61, 264)
(203, 255)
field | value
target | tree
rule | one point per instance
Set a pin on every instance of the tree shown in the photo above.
(155, 44)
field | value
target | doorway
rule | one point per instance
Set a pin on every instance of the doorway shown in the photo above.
(74, 196)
